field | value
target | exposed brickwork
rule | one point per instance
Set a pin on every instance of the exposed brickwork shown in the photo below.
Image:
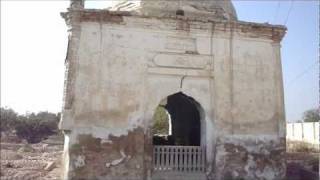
(118, 157)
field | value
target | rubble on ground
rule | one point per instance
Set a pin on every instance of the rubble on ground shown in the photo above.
(20, 160)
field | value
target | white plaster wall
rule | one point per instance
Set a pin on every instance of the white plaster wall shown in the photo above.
(255, 104)
(306, 132)
(124, 70)
(247, 85)
(120, 78)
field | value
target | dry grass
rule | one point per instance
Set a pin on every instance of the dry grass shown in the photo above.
(300, 146)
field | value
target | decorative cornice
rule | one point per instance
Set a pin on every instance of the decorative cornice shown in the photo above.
(249, 29)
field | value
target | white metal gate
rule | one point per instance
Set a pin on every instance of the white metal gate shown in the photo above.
(179, 158)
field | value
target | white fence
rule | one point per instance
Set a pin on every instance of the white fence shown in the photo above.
(179, 158)
(306, 132)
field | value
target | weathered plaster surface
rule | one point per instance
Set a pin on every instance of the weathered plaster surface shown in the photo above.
(250, 157)
(121, 66)
(116, 157)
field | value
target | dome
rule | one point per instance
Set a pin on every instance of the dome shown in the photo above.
(194, 9)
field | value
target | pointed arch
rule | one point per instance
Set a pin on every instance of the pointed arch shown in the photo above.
(185, 117)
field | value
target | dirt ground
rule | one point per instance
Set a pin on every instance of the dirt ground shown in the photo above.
(20, 160)
(302, 166)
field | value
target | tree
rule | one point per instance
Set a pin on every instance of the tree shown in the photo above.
(33, 127)
(36, 127)
(161, 121)
(311, 115)
(8, 119)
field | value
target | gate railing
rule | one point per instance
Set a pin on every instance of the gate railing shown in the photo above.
(179, 158)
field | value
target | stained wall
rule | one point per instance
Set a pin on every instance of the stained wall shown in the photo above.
(120, 67)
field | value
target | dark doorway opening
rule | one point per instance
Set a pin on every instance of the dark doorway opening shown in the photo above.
(177, 122)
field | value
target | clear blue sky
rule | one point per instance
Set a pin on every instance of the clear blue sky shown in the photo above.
(34, 39)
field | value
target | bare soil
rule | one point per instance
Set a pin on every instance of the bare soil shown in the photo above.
(302, 166)
(20, 160)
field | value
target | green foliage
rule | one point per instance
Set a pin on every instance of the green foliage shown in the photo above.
(8, 119)
(311, 115)
(32, 127)
(161, 121)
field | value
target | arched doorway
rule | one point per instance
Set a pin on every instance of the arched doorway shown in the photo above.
(177, 135)
(177, 122)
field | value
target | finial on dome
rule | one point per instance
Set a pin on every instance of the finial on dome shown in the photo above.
(76, 4)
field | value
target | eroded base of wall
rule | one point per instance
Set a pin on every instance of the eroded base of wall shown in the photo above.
(88, 157)
(124, 157)
(250, 157)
